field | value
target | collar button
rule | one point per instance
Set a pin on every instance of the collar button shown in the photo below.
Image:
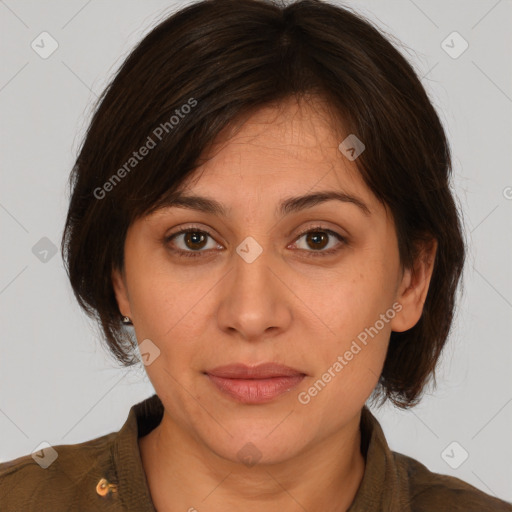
(104, 487)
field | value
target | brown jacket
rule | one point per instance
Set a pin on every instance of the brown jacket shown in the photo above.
(106, 474)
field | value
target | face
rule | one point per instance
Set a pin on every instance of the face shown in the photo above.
(316, 287)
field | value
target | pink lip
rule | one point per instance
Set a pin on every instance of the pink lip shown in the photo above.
(254, 384)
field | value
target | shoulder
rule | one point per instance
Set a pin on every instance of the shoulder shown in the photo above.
(56, 476)
(431, 491)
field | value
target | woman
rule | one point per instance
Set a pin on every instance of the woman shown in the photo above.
(262, 206)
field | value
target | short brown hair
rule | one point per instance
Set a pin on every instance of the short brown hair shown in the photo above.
(223, 59)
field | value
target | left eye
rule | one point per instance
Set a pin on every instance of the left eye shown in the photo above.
(318, 239)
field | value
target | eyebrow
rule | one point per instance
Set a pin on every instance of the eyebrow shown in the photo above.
(286, 207)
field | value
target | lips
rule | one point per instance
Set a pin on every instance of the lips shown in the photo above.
(261, 371)
(254, 384)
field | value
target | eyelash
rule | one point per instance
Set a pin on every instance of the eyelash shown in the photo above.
(314, 229)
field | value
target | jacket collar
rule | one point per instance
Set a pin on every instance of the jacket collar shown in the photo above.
(132, 483)
(384, 486)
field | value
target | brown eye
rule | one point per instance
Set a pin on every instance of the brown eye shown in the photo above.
(194, 239)
(190, 242)
(317, 239)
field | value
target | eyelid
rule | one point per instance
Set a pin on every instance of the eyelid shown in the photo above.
(190, 227)
(318, 227)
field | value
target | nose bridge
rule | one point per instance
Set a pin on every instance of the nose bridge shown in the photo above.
(252, 274)
(252, 264)
(254, 301)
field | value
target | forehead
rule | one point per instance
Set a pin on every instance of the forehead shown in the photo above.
(289, 149)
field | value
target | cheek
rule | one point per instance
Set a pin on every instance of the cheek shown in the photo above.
(354, 297)
(349, 361)
(358, 311)
(163, 296)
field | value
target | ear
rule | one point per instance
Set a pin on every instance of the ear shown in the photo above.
(413, 288)
(121, 292)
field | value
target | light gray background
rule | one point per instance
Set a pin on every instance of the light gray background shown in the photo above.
(58, 385)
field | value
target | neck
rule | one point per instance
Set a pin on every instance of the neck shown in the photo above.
(184, 474)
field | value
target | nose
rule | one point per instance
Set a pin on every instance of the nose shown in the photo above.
(256, 303)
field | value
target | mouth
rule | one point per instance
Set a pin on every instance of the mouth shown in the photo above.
(254, 384)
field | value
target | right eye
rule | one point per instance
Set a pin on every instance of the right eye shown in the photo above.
(192, 239)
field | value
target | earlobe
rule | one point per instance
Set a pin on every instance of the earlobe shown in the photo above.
(413, 289)
(121, 293)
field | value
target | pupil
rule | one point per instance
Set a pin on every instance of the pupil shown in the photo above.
(316, 238)
(192, 237)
